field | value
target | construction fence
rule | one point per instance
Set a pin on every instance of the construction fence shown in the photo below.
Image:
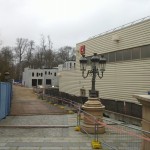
(118, 135)
(5, 98)
(122, 107)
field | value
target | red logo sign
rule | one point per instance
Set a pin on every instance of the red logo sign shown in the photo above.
(82, 49)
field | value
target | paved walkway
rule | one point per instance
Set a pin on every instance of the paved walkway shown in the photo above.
(49, 138)
(33, 126)
(25, 102)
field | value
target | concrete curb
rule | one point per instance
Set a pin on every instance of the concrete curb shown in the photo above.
(34, 126)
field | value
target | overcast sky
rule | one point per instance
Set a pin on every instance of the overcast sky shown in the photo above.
(68, 22)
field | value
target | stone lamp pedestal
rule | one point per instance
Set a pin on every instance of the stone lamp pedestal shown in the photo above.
(145, 101)
(94, 107)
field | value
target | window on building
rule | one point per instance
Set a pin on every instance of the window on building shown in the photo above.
(32, 74)
(39, 81)
(70, 65)
(48, 82)
(106, 56)
(145, 51)
(45, 72)
(127, 54)
(112, 57)
(49, 73)
(34, 82)
(55, 74)
(41, 74)
(37, 74)
(119, 55)
(136, 53)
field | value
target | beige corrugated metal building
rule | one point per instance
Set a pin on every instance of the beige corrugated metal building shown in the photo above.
(127, 50)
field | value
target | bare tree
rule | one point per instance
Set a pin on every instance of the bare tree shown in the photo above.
(49, 54)
(73, 54)
(63, 53)
(37, 60)
(45, 52)
(20, 49)
(30, 49)
(50, 44)
(6, 61)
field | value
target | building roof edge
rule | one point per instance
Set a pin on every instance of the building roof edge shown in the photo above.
(118, 28)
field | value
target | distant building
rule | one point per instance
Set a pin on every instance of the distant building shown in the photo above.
(44, 77)
(68, 65)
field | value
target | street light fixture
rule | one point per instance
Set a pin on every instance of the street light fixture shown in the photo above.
(98, 65)
(7, 77)
(93, 106)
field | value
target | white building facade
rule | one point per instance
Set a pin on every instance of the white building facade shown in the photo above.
(68, 65)
(36, 77)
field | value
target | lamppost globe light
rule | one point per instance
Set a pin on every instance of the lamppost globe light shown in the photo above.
(95, 61)
(7, 76)
(102, 63)
(83, 63)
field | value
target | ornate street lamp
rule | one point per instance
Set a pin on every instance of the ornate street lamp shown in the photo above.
(7, 77)
(93, 106)
(97, 68)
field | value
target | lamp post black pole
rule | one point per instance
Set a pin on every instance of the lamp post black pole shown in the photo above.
(7, 77)
(93, 78)
(92, 93)
(97, 66)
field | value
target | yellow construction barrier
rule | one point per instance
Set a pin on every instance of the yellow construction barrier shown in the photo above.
(96, 145)
(70, 112)
(77, 128)
(62, 107)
